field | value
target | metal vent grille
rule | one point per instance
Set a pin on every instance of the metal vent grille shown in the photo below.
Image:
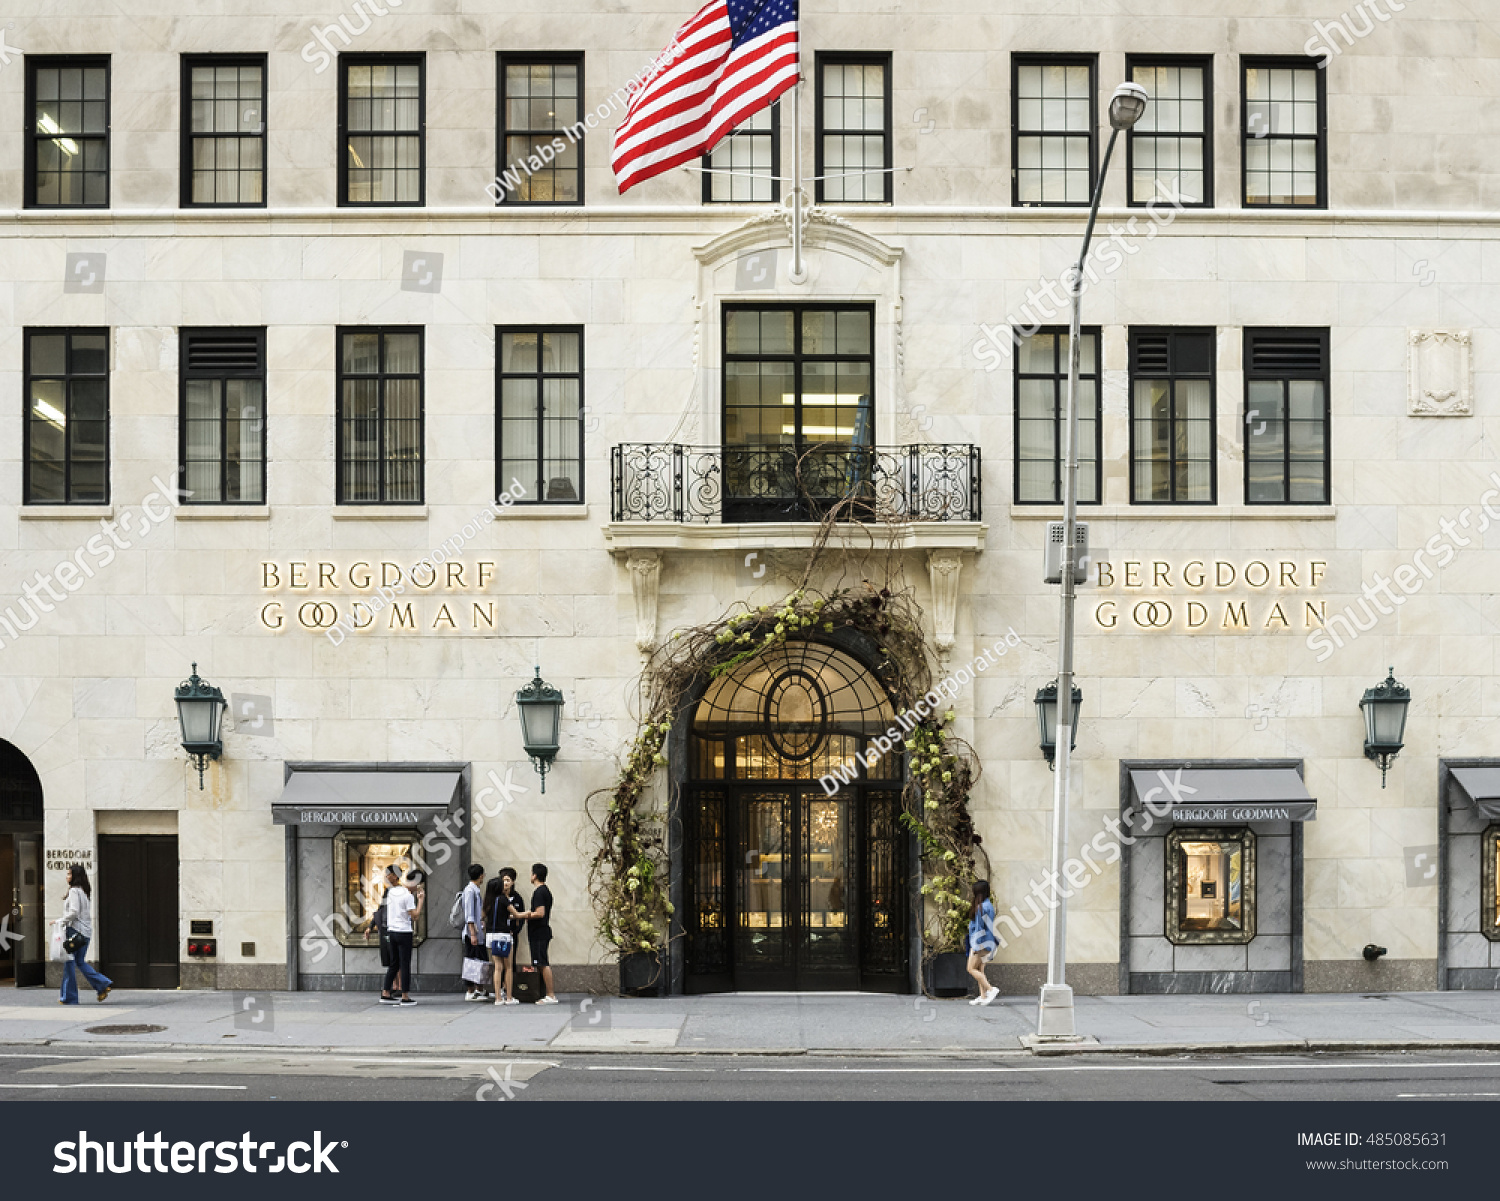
(213, 353)
(1286, 354)
(1151, 356)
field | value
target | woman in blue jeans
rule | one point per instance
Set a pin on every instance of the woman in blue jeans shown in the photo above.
(77, 918)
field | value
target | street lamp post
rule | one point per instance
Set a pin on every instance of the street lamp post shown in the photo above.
(1055, 1006)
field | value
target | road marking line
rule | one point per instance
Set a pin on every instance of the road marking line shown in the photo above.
(92, 1084)
(1408, 1096)
(613, 1068)
(1162, 1067)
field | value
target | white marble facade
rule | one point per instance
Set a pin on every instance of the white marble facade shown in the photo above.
(1407, 244)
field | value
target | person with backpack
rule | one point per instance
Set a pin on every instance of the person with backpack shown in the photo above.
(78, 930)
(501, 904)
(469, 912)
(982, 944)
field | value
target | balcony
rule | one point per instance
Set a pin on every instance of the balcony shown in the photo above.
(709, 485)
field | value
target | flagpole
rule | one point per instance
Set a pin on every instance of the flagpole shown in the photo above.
(797, 275)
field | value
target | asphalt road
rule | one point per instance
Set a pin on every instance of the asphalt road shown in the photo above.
(33, 1073)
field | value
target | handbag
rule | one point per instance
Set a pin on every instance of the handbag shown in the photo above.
(475, 970)
(73, 941)
(57, 953)
(385, 948)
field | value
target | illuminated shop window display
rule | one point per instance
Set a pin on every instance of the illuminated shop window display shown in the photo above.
(360, 858)
(1210, 887)
(1489, 884)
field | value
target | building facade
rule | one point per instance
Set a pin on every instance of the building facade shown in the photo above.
(338, 369)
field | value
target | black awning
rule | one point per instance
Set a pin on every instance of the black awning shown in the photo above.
(1482, 787)
(365, 798)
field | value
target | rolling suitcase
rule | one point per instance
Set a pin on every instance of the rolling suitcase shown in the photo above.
(528, 984)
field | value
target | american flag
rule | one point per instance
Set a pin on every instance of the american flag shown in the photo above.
(736, 57)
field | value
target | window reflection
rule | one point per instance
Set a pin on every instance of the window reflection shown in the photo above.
(360, 860)
(1210, 886)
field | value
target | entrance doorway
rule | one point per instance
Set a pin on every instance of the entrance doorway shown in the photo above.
(135, 910)
(22, 929)
(790, 887)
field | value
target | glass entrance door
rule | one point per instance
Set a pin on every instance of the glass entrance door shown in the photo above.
(794, 891)
(29, 953)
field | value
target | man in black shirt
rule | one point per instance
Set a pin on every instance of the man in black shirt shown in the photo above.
(539, 928)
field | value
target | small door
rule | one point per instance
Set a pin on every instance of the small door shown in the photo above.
(135, 910)
(30, 953)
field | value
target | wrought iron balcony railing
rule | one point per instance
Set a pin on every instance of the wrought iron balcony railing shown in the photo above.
(663, 481)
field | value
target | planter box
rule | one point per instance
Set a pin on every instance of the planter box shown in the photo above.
(946, 975)
(641, 975)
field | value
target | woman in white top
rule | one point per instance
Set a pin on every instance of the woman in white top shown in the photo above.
(402, 906)
(77, 919)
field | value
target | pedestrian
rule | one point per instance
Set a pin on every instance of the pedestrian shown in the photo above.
(982, 940)
(77, 921)
(472, 934)
(501, 904)
(539, 929)
(403, 905)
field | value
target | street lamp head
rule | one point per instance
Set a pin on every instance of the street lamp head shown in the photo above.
(1127, 105)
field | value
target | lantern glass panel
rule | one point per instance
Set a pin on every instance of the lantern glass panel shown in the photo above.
(198, 718)
(539, 722)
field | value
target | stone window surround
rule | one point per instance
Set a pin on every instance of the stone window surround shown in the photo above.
(1172, 893)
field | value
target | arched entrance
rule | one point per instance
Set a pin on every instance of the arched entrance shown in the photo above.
(22, 930)
(787, 886)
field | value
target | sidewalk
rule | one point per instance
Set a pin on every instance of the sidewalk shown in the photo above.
(756, 1023)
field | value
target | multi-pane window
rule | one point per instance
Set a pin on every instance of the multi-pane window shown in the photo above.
(67, 152)
(1286, 417)
(380, 416)
(224, 131)
(1052, 130)
(1041, 417)
(223, 420)
(381, 129)
(539, 100)
(745, 164)
(541, 413)
(1284, 151)
(798, 407)
(1210, 886)
(853, 128)
(67, 416)
(1172, 416)
(1171, 147)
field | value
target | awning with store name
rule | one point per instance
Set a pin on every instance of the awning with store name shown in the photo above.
(1481, 785)
(1224, 795)
(400, 797)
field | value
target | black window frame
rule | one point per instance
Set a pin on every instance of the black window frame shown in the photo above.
(775, 179)
(1176, 896)
(1017, 61)
(347, 60)
(186, 170)
(68, 332)
(865, 58)
(1059, 377)
(1205, 63)
(1174, 375)
(338, 433)
(1284, 62)
(506, 59)
(539, 375)
(1286, 376)
(42, 62)
(185, 375)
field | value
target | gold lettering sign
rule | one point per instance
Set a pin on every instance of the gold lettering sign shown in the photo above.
(1207, 594)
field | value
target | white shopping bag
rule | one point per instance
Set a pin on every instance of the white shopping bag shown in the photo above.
(58, 954)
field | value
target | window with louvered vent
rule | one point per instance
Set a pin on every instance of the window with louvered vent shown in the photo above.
(1287, 458)
(1172, 416)
(222, 440)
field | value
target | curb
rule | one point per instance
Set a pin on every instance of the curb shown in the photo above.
(1155, 1050)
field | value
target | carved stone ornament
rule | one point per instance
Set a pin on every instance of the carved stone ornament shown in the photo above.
(1440, 373)
(943, 568)
(645, 586)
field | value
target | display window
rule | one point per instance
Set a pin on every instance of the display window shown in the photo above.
(360, 858)
(1210, 886)
(1489, 883)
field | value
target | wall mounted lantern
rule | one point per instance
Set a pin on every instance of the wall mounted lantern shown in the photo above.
(541, 714)
(1046, 719)
(200, 713)
(1385, 708)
